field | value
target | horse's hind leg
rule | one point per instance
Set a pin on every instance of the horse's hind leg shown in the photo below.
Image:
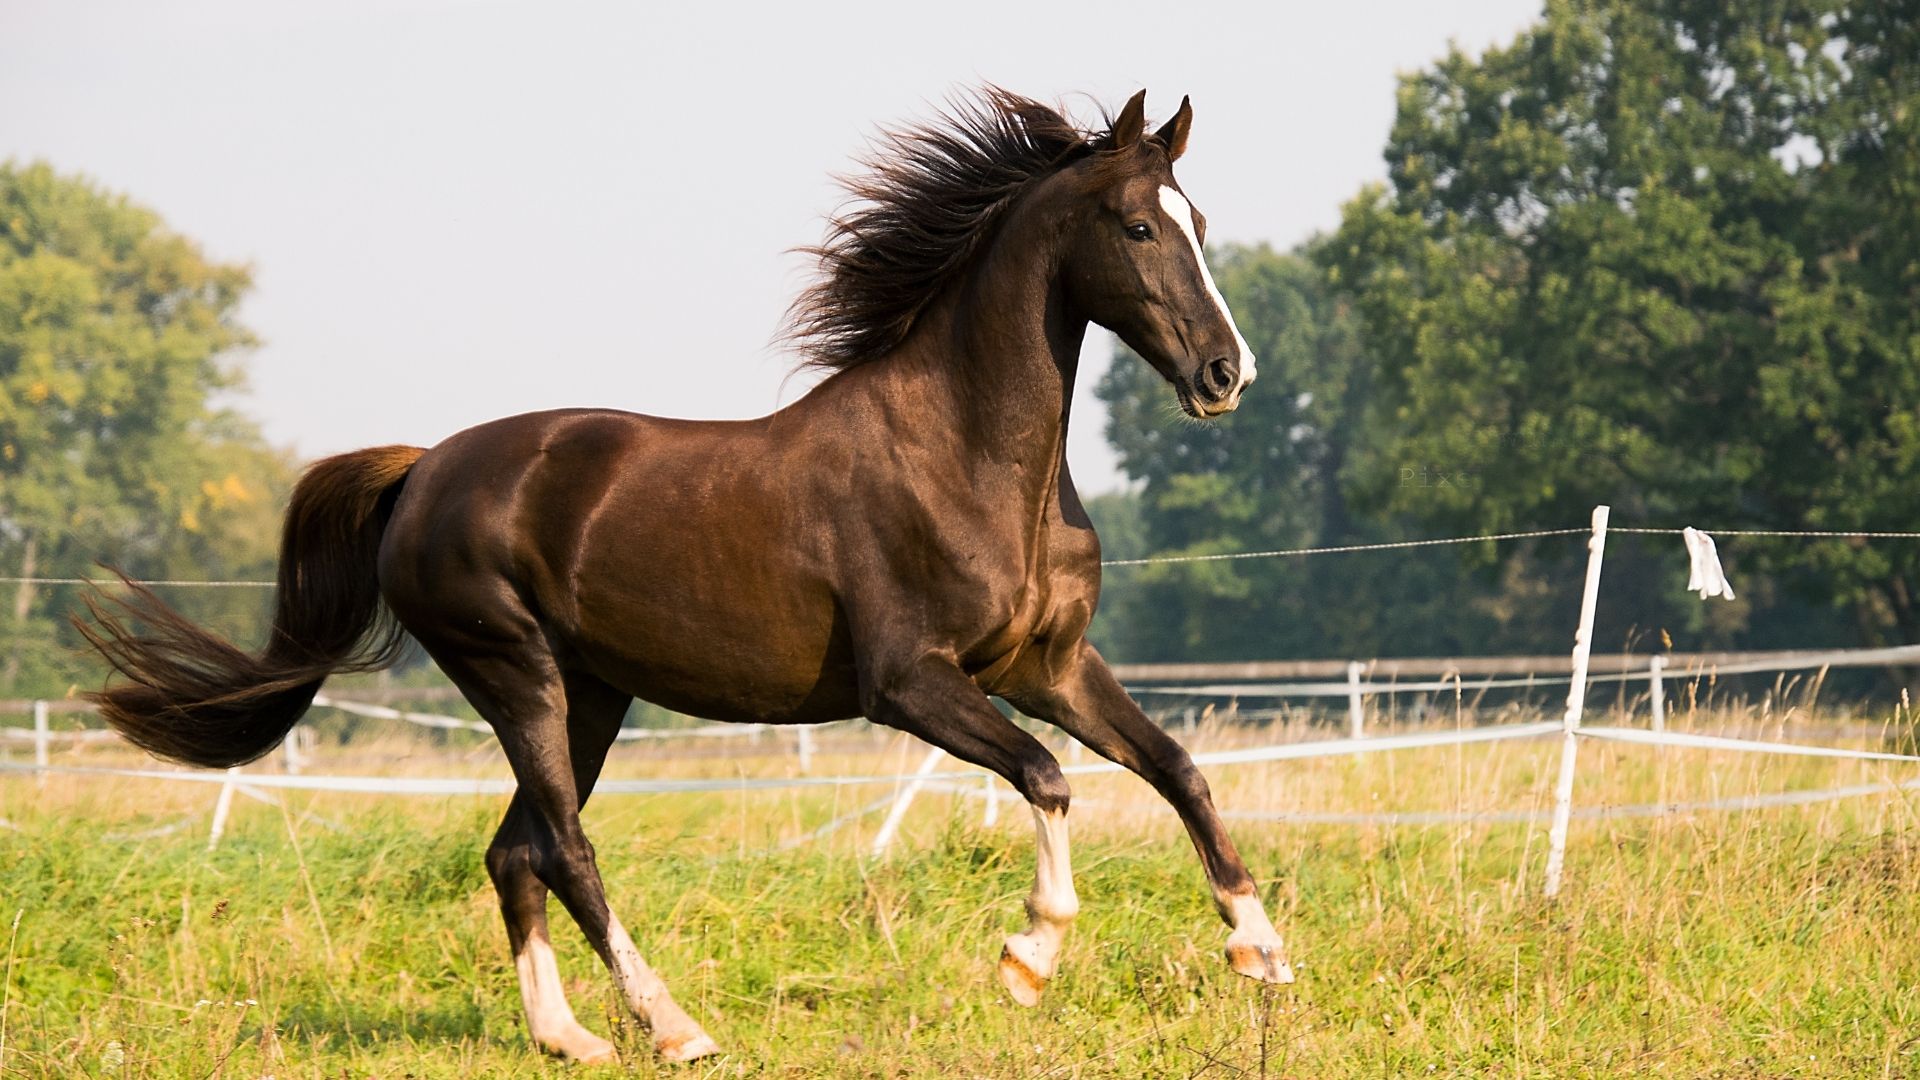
(523, 904)
(556, 734)
(594, 712)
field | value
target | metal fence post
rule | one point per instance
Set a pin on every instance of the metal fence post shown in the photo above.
(1576, 704)
(1356, 705)
(42, 735)
(221, 808)
(884, 838)
(1657, 691)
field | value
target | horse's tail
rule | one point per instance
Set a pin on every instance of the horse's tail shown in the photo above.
(192, 696)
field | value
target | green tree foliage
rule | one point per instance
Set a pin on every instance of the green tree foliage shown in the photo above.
(1663, 254)
(1300, 465)
(113, 332)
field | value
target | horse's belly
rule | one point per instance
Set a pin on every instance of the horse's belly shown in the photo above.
(718, 658)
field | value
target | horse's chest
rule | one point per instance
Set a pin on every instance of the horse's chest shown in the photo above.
(1047, 611)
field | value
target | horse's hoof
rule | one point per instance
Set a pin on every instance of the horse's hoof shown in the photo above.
(686, 1047)
(1019, 978)
(1266, 963)
(580, 1046)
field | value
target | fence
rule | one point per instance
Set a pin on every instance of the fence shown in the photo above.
(1361, 682)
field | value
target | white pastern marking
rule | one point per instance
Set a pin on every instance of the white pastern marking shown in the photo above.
(1181, 211)
(1249, 918)
(1053, 898)
(1032, 954)
(549, 1017)
(637, 982)
(675, 1033)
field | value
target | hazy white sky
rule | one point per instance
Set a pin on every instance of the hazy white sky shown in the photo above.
(458, 210)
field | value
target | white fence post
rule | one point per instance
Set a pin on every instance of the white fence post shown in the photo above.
(290, 760)
(221, 808)
(1657, 691)
(41, 736)
(1356, 705)
(1576, 704)
(806, 748)
(992, 815)
(884, 838)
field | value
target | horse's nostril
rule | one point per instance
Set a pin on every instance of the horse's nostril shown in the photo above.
(1216, 379)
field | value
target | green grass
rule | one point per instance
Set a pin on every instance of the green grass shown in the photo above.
(1782, 942)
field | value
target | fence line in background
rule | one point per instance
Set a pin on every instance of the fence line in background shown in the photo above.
(970, 781)
(1354, 688)
(1658, 668)
(1477, 817)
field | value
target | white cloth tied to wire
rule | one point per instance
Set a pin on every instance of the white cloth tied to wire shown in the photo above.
(1704, 574)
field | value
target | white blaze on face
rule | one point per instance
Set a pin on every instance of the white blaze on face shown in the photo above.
(1181, 211)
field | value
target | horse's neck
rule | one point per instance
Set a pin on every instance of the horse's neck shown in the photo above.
(1001, 352)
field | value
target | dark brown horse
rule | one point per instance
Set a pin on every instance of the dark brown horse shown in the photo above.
(899, 544)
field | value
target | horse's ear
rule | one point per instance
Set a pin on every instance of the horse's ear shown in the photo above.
(1132, 121)
(1174, 132)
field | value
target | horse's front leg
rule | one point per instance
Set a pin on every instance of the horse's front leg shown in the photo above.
(1089, 703)
(933, 699)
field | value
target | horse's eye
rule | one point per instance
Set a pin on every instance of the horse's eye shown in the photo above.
(1139, 230)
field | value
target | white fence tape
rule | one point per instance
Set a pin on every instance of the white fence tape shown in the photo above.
(382, 712)
(1448, 817)
(965, 782)
(1579, 813)
(1335, 747)
(71, 735)
(434, 785)
(1898, 654)
(455, 723)
(421, 785)
(1292, 751)
(1749, 746)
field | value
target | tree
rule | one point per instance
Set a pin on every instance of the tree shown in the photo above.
(114, 334)
(1664, 255)
(1293, 468)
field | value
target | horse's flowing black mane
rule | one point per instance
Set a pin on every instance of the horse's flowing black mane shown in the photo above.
(930, 197)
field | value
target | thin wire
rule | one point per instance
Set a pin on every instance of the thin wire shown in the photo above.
(1392, 545)
(1810, 534)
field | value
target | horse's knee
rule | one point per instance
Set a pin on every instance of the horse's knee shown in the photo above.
(566, 864)
(1043, 784)
(1174, 774)
(506, 863)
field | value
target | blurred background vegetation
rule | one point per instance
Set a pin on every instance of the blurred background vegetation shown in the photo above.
(1664, 255)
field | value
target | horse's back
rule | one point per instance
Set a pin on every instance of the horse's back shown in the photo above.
(685, 562)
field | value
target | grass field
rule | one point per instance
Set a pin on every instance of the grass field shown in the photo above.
(347, 936)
